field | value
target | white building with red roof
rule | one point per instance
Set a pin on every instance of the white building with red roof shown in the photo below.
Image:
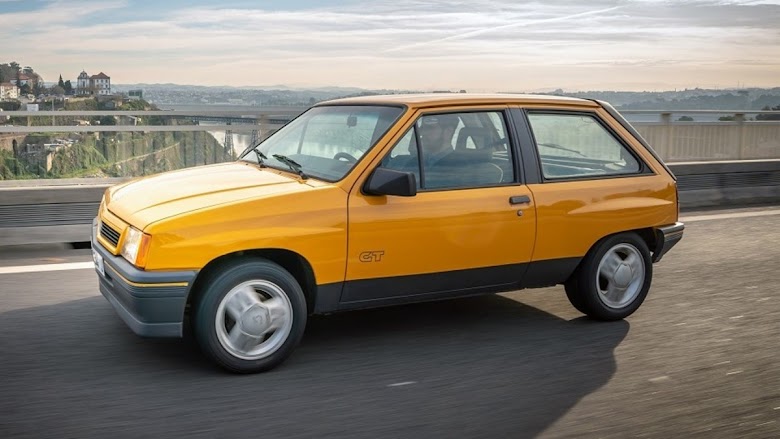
(99, 84)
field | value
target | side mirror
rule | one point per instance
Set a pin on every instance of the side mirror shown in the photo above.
(385, 181)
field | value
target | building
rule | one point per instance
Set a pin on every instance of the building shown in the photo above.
(135, 95)
(82, 84)
(8, 91)
(26, 79)
(99, 84)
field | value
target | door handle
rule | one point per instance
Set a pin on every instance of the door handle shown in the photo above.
(520, 199)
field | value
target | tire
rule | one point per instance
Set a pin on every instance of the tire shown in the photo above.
(249, 315)
(613, 280)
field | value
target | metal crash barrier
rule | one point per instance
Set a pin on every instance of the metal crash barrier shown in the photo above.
(61, 211)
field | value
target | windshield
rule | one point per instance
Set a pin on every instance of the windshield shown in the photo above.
(326, 141)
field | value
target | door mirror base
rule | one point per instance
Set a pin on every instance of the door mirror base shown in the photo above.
(385, 181)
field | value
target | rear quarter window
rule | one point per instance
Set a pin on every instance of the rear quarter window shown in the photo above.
(578, 145)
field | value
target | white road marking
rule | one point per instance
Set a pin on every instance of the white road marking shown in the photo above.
(405, 383)
(47, 267)
(719, 216)
(659, 379)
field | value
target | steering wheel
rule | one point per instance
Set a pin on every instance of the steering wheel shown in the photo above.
(346, 156)
(500, 141)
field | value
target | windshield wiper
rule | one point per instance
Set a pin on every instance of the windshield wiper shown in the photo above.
(556, 146)
(295, 166)
(261, 158)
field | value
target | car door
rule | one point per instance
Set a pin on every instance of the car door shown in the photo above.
(589, 181)
(469, 228)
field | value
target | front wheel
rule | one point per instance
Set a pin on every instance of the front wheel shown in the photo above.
(249, 315)
(613, 279)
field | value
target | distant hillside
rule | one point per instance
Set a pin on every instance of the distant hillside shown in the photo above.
(693, 99)
(689, 99)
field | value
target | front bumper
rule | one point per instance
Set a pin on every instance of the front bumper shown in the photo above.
(665, 238)
(150, 303)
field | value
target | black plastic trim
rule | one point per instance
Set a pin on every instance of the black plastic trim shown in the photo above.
(666, 238)
(145, 301)
(370, 293)
(526, 147)
(519, 199)
(327, 299)
(449, 282)
(549, 272)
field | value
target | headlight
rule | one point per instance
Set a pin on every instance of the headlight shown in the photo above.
(135, 246)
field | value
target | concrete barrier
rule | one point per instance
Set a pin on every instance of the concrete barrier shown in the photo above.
(57, 211)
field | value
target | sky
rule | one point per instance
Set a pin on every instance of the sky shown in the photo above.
(476, 45)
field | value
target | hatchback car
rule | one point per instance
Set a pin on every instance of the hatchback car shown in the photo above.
(383, 200)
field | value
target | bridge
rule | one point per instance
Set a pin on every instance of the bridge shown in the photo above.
(699, 359)
(718, 163)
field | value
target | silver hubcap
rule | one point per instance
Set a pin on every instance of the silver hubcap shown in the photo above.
(254, 319)
(620, 276)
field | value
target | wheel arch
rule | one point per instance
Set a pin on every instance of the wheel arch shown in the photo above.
(646, 234)
(298, 266)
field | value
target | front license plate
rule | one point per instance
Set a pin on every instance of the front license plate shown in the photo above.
(98, 263)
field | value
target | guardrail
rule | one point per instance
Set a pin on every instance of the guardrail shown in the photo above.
(61, 211)
(673, 135)
(700, 153)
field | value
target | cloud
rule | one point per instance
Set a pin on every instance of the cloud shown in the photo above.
(404, 43)
(55, 12)
(504, 27)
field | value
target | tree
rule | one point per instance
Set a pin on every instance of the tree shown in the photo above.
(769, 116)
(61, 83)
(68, 87)
(107, 120)
(38, 88)
(57, 90)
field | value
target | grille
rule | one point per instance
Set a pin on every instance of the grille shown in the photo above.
(109, 234)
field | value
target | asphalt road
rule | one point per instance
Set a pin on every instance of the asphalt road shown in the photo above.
(699, 359)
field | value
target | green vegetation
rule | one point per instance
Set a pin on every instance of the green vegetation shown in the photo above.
(769, 116)
(106, 154)
(123, 154)
(11, 168)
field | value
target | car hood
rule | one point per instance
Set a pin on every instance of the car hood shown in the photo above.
(147, 200)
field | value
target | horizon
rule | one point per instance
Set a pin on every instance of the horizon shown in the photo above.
(479, 46)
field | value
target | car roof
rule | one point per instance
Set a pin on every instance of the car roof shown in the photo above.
(446, 99)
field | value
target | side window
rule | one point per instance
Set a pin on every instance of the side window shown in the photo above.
(572, 145)
(455, 151)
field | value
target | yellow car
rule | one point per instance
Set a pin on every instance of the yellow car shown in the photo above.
(383, 200)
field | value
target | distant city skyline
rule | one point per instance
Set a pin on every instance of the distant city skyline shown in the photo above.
(477, 45)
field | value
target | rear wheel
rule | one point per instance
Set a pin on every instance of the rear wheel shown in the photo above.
(613, 279)
(249, 316)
